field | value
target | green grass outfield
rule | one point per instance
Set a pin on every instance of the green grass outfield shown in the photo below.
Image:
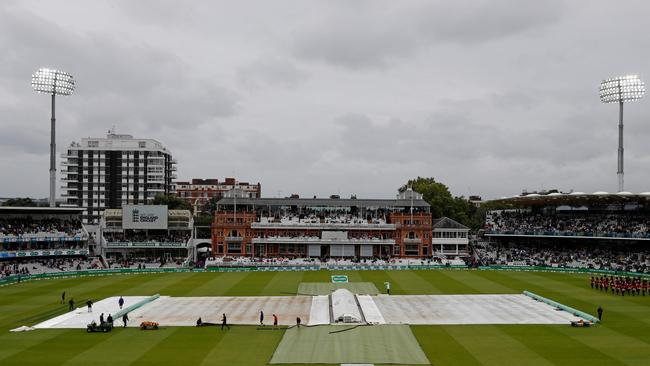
(622, 339)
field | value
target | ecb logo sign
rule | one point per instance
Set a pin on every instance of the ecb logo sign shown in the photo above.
(144, 217)
(137, 217)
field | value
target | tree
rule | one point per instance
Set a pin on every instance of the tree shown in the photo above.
(203, 219)
(442, 202)
(172, 202)
(434, 193)
(20, 202)
(211, 206)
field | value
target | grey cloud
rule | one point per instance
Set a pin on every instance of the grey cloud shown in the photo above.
(117, 80)
(271, 71)
(487, 96)
(372, 35)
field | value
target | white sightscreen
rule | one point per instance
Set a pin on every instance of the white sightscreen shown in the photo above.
(314, 250)
(366, 250)
(336, 250)
(348, 250)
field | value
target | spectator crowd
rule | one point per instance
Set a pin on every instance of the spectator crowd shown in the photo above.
(525, 222)
(624, 257)
(144, 237)
(38, 266)
(28, 225)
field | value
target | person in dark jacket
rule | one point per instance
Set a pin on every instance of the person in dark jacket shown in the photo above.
(109, 319)
(71, 305)
(101, 318)
(120, 302)
(125, 318)
(224, 322)
(600, 313)
(89, 304)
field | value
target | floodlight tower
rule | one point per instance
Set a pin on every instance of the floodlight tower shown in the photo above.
(619, 90)
(53, 82)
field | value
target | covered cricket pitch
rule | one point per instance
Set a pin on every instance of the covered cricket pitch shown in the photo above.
(379, 332)
(320, 309)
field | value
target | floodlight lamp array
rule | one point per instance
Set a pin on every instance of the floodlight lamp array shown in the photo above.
(52, 81)
(622, 89)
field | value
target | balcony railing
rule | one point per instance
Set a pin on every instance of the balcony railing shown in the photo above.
(117, 245)
(451, 241)
(316, 240)
(571, 234)
(319, 225)
(412, 241)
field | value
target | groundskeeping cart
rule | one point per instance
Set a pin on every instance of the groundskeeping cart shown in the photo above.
(103, 327)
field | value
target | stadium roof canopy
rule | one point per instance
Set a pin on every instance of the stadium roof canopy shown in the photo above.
(575, 199)
(447, 223)
(325, 202)
(117, 212)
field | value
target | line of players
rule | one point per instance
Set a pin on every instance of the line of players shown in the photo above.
(621, 285)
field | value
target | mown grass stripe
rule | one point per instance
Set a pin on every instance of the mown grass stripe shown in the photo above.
(441, 348)
(111, 351)
(445, 283)
(55, 350)
(185, 346)
(410, 282)
(559, 347)
(11, 343)
(208, 284)
(378, 278)
(244, 345)
(253, 284)
(479, 283)
(495, 346)
(626, 349)
(282, 283)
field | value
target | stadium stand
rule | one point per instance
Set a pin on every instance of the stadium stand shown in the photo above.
(166, 246)
(595, 256)
(38, 266)
(575, 230)
(323, 227)
(610, 225)
(36, 240)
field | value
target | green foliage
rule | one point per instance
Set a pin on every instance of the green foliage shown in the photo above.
(441, 200)
(172, 202)
(203, 219)
(211, 206)
(20, 202)
(456, 208)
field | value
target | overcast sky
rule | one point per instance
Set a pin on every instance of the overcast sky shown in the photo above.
(335, 97)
